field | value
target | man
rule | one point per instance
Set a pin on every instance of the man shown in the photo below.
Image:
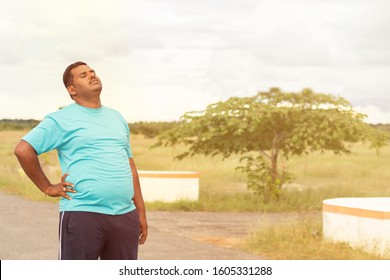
(102, 212)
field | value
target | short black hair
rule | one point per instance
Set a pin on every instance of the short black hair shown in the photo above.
(67, 77)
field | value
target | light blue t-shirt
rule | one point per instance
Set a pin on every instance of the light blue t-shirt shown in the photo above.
(93, 146)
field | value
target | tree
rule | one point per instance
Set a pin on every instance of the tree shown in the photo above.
(270, 127)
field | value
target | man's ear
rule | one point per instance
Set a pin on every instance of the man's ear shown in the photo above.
(71, 91)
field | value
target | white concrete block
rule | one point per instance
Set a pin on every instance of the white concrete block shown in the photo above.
(363, 223)
(169, 186)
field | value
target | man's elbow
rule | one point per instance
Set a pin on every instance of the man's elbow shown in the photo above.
(18, 149)
(22, 149)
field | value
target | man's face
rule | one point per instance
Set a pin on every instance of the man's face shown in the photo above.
(85, 81)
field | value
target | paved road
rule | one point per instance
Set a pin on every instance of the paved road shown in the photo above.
(29, 232)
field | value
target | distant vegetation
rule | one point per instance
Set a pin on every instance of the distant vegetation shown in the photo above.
(151, 129)
(148, 129)
(384, 127)
(17, 124)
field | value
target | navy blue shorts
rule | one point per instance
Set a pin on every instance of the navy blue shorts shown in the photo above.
(92, 236)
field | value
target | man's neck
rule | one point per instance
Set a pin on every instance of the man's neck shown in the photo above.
(90, 103)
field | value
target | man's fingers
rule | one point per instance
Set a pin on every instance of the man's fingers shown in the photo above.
(61, 189)
(143, 235)
(142, 239)
(64, 176)
(68, 187)
(64, 194)
(67, 184)
(67, 197)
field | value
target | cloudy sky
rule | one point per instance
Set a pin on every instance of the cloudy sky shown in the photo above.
(161, 58)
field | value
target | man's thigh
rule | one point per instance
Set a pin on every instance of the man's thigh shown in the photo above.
(81, 235)
(122, 237)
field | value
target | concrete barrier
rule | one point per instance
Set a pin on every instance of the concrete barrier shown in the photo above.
(363, 223)
(169, 186)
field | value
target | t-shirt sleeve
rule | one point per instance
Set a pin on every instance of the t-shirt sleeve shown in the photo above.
(46, 136)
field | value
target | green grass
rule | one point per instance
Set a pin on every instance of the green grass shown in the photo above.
(317, 177)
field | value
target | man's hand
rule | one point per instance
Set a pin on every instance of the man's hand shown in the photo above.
(61, 188)
(143, 229)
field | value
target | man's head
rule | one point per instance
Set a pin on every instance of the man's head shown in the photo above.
(67, 77)
(81, 81)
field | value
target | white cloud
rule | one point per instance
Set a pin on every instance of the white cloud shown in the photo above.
(374, 114)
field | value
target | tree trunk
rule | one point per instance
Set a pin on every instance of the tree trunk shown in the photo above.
(274, 166)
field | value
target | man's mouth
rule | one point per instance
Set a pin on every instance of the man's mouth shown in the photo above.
(93, 81)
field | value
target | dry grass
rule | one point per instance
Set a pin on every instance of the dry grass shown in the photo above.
(12, 178)
(300, 240)
(317, 177)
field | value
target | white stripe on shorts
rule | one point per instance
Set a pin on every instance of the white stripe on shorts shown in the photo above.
(60, 234)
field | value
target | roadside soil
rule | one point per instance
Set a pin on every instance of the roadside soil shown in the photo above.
(29, 231)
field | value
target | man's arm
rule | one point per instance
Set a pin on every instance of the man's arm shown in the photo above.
(139, 203)
(29, 161)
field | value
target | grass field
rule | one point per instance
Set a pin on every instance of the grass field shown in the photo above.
(317, 177)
